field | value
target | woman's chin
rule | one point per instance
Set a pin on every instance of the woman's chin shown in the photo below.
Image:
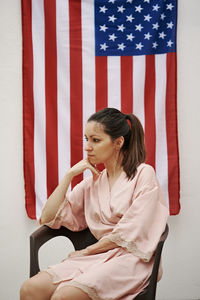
(93, 160)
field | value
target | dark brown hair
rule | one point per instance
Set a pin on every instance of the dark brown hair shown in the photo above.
(117, 124)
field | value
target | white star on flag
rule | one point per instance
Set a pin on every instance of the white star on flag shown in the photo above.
(162, 35)
(103, 28)
(103, 46)
(112, 37)
(130, 37)
(139, 46)
(138, 27)
(155, 45)
(156, 7)
(169, 43)
(170, 6)
(121, 46)
(103, 9)
(138, 8)
(147, 18)
(112, 18)
(121, 27)
(170, 25)
(147, 36)
(121, 9)
(129, 18)
(162, 16)
(155, 26)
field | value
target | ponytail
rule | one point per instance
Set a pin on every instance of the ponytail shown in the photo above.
(134, 152)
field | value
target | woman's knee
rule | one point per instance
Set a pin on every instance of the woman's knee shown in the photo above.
(70, 293)
(27, 290)
(38, 287)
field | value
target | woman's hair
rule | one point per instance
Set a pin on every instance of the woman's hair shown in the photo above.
(117, 124)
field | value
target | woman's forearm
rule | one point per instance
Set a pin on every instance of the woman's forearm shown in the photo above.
(58, 196)
(55, 199)
(101, 246)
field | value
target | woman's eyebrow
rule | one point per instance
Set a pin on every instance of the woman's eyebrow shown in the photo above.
(93, 135)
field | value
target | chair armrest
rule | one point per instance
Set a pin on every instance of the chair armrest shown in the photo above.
(43, 234)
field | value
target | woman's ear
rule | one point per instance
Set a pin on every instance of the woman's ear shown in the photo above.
(119, 142)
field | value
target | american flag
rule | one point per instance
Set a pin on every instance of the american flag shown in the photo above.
(80, 56)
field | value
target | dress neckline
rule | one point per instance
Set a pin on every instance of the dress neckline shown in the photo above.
(114, 184)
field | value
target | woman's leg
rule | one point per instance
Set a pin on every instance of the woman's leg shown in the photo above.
(38, 287)
(70, 293)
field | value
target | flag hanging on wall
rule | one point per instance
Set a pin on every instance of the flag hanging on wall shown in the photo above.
(80, 56)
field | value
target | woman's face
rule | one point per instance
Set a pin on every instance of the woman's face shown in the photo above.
(99, 146)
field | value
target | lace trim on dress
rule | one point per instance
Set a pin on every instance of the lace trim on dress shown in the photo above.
(89, 290)
(92, 293)
(55, 278)
(130, 246)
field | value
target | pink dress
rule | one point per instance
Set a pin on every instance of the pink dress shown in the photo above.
(133, 215)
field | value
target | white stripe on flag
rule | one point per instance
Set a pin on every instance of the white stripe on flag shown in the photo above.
(39, 104)
(160, 113)
(114, 82)
(138, 87)
(63, 86)
(88, 58)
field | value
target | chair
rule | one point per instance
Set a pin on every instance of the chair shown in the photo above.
(83, 239)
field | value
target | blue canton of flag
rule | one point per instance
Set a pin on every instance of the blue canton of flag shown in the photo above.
(135, 27)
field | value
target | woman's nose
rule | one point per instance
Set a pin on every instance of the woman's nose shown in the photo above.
(88, 147)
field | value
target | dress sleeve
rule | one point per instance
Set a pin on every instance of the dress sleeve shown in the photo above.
(71, 212)
(142, 225)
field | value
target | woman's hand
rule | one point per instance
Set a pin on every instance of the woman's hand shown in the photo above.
(79, 253)
(103, 245)
(81, 166)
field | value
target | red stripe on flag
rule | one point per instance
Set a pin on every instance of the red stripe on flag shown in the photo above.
(28, 110)
(51, 95)
(172, 134)
(149, 103)
(101, 82)
(127, 84)
(76, 85)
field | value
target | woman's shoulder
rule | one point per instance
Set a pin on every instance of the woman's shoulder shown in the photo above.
(145, 168)
(146, 173)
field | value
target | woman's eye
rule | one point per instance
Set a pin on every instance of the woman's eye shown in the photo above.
(86, 138)
(96, 140)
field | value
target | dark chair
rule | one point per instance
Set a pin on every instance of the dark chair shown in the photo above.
(83, 239)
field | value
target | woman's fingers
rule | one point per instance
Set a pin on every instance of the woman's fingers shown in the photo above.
(93, 169)
(82, 165)
(78, 253)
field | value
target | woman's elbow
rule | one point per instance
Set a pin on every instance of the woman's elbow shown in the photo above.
(44, 219)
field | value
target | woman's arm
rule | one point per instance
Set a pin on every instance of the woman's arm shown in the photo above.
(99, 247)
(57, 197)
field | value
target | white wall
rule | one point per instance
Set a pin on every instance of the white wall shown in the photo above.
(181, 280)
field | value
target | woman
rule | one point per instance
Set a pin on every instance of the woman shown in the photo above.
(124, 208)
